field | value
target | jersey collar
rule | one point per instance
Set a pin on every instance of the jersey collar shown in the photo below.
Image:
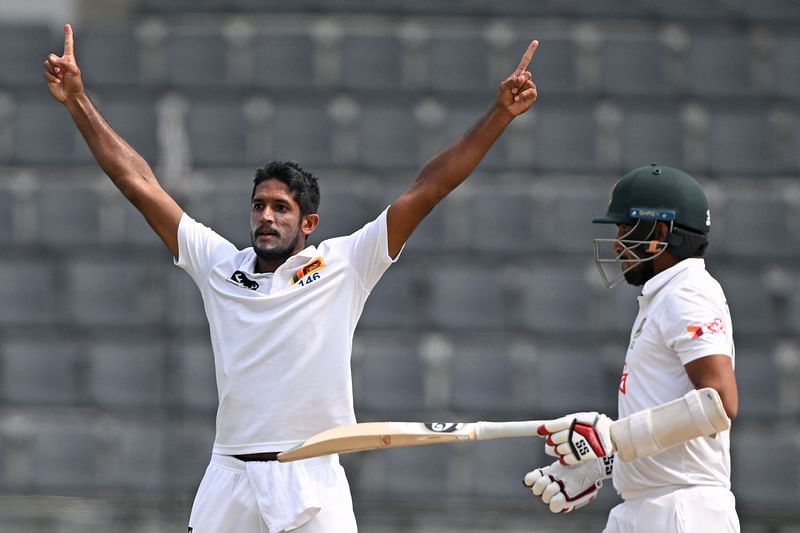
(662, 279)
(300, 258)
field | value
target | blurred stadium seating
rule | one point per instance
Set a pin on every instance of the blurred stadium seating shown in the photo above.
(106, 376)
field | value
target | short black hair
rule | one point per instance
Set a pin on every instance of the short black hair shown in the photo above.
(302, 183)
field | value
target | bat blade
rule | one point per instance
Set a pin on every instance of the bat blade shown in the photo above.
(376, 435)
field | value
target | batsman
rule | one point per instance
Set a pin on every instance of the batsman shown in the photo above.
(669, 452)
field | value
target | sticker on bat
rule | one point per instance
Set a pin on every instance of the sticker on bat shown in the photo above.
(444, 427)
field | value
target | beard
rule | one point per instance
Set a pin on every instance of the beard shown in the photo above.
(640, 274)
(280, 251)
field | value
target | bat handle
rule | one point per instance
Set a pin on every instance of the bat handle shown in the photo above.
(504, 430)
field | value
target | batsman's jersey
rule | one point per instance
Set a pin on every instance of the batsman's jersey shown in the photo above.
(683, 316)
(282, 340)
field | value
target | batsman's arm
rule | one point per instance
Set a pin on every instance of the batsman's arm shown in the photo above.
(449, 168)
(716, 372)
(126, 168)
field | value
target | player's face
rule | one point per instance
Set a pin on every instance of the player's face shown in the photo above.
(276, 225)
(636, 271)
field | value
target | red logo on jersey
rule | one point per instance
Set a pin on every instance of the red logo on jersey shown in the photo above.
(696, 331)
(623, 380)
(716, 326)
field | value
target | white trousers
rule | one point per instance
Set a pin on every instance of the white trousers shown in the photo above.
(696, 509)
(309, 496)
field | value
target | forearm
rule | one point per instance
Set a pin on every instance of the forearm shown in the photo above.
(453, 165)
(115, 156)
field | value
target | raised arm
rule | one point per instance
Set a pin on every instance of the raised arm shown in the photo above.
(126, 168)
(450, 167)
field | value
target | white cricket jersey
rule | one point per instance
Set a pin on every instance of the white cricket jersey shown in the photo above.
(282, 341)
(683, 316)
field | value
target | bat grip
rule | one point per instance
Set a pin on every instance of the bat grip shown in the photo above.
(504, 430)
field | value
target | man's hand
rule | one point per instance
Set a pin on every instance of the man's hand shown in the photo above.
(62, 74)
(566, 488)
(518, 92)
(578, 437)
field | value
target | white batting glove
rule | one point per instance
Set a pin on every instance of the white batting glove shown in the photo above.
(566, 488)
(578, 437)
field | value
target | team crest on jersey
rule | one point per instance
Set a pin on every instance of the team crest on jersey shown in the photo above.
(444, 427)
(637, 333)
(309, 272)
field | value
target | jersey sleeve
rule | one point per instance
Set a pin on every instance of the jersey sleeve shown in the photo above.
(200, 248)
(367, 250)
(700, 325)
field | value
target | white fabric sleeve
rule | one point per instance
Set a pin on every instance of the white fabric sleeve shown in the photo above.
(699, 327)
(200, 248)
(367, 250)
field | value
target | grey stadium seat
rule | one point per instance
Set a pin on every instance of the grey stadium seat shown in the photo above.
(634, 66)
(787, 69)
(756, 225)
(503, 221)
(570, 377)
(217, 132)
(302, 132)
(757, 379)
(741, 143)
(719, 65)
(6, 215)
(565, 139)
(196, 385)
(465, 295)
(390, 375)
(39, 370)
(230, 211)
(284, 60)
(460, 63)
(341, 212)
(388, 136)
(105, 291)
(394, 302)
(137, 456)
(27, 286)
(24, 47)
(109, 57)
(372, 62)
(690, 10)
(650, 135)
(45, 135)
(64, 454)
(759, 480)
(196, 58)
(482, 374)
(126, 373)
(555, 298)
(407, 473)
(68, 214)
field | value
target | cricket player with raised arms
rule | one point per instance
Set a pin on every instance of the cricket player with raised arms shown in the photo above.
(669, 451)
(281, 313)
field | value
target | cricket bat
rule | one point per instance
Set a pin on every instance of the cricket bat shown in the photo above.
(376, 435)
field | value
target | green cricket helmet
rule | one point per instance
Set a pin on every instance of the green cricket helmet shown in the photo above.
(641, 199)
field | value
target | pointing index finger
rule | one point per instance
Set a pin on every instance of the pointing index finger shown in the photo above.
(68, 47)
(526, 57)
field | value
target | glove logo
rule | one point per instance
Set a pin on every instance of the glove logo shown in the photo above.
(444, 427)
